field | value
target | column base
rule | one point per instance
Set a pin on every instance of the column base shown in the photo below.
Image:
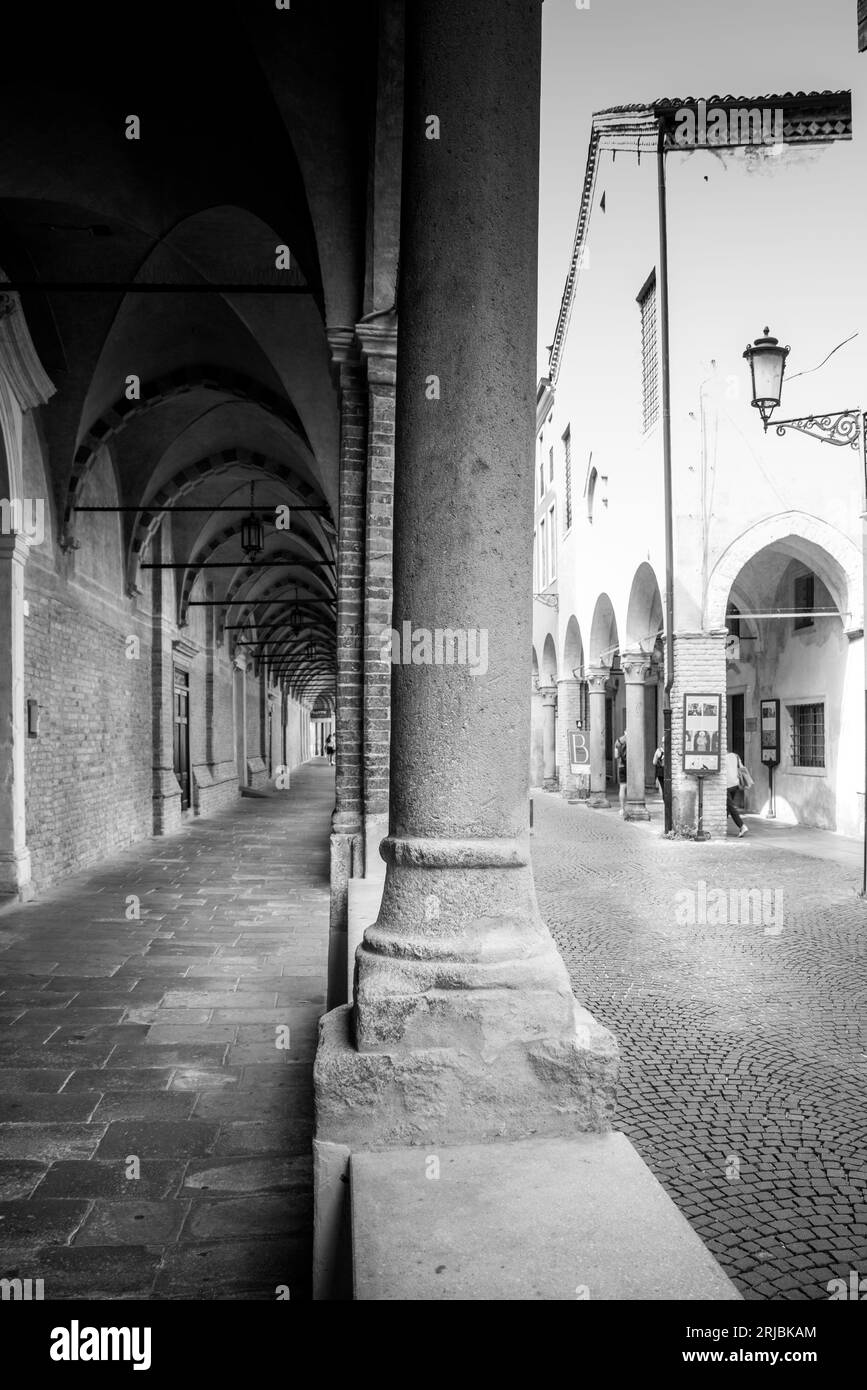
(551, 784)
(636, 810)
(598, 800)
(15, 885)
(445, 1095)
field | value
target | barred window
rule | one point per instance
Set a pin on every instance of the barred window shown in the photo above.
(551, 464)
(649, 353)
(567, 446)
(808, 735)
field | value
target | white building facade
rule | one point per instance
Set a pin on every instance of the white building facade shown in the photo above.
(700, 223)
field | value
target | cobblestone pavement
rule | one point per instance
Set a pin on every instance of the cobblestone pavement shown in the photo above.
(744, 1047)
(155, 1038)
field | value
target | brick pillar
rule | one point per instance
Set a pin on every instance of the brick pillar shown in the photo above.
(166, 792)
(597, 681)
(464, 1023)
(14, 854)
(347, 822)
(699, 668)
(378, 340)
(569, 710)
(636, 668)
(549, 732)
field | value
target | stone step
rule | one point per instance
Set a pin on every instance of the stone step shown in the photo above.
(533, 1219)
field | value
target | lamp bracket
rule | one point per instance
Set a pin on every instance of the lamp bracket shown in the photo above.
(841, 427)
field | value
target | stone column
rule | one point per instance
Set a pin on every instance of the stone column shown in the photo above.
(636, 668)
(549, 715)
(464, 1023)
(379, 348)
(14, 854)
(347, 822)
(537, 737)
(597, 681)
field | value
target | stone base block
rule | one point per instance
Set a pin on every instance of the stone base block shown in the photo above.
(539, 1219)
(598, 801)
(448, 1096)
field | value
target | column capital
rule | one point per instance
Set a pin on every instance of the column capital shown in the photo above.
(15, 547)
(636, 666)
(597, 678)
(378, 341)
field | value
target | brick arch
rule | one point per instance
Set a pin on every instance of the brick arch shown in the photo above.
(191, 573)
(147, 522)
(177, 383)
(835, 558)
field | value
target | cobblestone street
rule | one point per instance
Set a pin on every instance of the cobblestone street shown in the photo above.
(744, 1047)
(155, 1038)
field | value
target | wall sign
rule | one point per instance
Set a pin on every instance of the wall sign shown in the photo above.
(701, 733)
(770, 731)
(579, 753)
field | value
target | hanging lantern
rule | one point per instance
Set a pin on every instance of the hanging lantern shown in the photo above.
(767, 364)
(252, 531)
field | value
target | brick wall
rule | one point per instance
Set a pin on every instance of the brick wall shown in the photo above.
(700, 667)
(379, 588)
(89, 773)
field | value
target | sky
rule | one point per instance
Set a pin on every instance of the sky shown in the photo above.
(620, 51)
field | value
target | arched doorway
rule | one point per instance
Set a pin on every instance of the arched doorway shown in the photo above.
(793, 651)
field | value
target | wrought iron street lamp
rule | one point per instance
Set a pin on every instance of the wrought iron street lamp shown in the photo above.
(767, 367)
(252, 530)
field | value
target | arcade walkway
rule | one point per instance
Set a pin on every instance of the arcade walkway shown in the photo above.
(154, 1126)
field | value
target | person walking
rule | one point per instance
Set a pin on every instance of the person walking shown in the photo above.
(620, 764)
(659, 765)
(329, 748)
(735, 775)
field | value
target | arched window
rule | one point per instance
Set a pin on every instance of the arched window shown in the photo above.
(591, 492)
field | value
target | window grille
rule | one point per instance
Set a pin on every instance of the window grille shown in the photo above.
(808, 735)
(649, 355)
(567, 445)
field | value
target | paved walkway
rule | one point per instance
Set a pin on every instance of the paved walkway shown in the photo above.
(154, 1124)
(744, 1042)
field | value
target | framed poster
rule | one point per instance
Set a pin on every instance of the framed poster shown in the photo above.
(701, 733)
(770, 731)
(579, 752)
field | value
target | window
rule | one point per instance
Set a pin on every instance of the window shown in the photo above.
(591, 493)
(536, 558)
(543, 554)
(552, 542)
(649, 354)
(567, 447)
(541, 475)
(804, 600)
(551, 465)
(808, 735)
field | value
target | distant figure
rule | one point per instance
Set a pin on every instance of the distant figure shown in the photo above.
(620, 763)
(701, 742)
(735, 777)
(329, 748)
(659, 765)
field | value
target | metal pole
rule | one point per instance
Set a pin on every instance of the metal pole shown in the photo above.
(665, 385)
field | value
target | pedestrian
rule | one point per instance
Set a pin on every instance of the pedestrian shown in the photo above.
(620, 764)
(659, 764)
(736, 775)
(329, 748)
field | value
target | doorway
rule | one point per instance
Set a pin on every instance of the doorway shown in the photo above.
(181, 734)
(737, 725)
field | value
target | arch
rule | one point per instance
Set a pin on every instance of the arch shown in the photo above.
(147, 522)
(604, 640)
(827, 551)
(218, 380)
(644, 617)
(573, 649)
(549, 662)
(590, 491)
